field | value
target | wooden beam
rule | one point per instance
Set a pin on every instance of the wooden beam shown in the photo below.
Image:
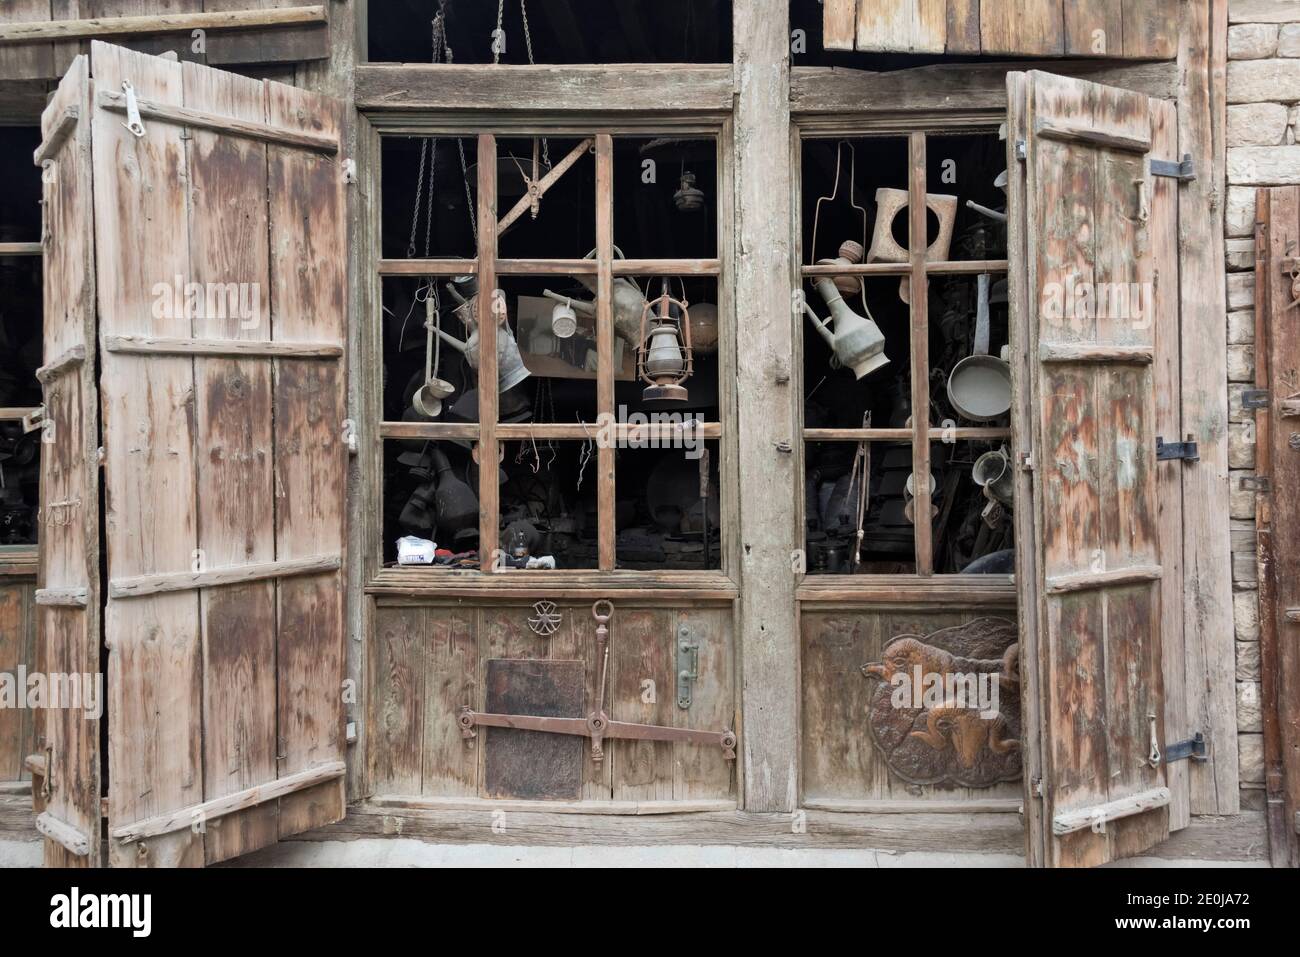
(67, 122)
(1207, 550)
(21, 249)
(1067, 822)
(242, 348)
(1089, 136)
(615, 88)
(1072, 352)
(101, 27)
(1090, 581)
(72, 839)
(489, 490)
(221, 807)
(71, 359)
(919, 232)
(123, 588)
(63, 597)
(766, 419)
(961, 87)
(605, 452)
(225, 125)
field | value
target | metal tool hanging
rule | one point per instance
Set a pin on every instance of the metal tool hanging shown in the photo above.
(597, 725)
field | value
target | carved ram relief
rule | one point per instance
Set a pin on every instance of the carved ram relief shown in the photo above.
(945, 710)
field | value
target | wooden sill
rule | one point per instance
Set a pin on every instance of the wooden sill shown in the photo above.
(997, 591)
(418, 584)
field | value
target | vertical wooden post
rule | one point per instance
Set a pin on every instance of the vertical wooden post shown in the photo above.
(1207, 551)
(769, 644)
(920, 244)
(605, 344)
(489, 313)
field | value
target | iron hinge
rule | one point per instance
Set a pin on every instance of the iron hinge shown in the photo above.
(1254, 399)
(1184, 171)
(1256, 483)
(1193, 749)
(1170, 451)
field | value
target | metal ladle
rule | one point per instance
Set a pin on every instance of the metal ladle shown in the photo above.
(980, 385)
(428, 398)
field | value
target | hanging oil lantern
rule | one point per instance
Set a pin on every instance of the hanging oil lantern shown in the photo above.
(664, 359)
(689, 198)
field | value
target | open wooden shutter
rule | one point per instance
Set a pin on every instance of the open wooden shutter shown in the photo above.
(68, 596)
(221, 263)
(1094, 274)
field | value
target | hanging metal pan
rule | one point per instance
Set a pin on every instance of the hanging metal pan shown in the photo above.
(980, 385)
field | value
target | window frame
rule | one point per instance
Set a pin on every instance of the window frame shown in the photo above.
(488, 434)
(924, 582)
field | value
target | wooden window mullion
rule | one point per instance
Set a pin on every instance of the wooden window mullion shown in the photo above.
(919, 244)
(488, 399)
(605, 343)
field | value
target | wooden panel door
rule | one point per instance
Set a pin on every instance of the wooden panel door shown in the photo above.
(1094, 265)
(1277, 338)
(68, 594)
(221, 260)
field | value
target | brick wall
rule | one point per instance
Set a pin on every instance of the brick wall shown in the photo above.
(1263, 121)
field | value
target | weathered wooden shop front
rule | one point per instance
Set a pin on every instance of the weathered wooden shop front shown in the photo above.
(596, 413)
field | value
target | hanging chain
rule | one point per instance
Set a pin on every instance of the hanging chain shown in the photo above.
(528, 41)
(419, 191)
(499, 35)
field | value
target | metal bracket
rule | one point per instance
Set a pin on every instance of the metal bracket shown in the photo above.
(1256, 483)
(1022, 150)
(34, 419)
(1254, 399)
(350, 172)
(1184, 171)
(1193, 749)
(688, 667)
(1170, 451)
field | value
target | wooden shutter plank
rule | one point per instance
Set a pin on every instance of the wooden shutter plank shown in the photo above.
(155, 652)
(1025, 28)
(839, 24)
(915, 26)
(885, 25)
(233, 406)
(30, 61)
(1151, 29)
(1094, 28)
(69, 541)
(308, 302)
(963, 26)
(1168, 392)
(1090, 224)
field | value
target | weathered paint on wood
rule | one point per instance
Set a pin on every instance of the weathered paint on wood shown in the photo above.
(1089, 212)
(1207, 549)
(1135, 29)
(19, 730)
(221, 461)
(69, 535)
(40, 38)
(769, 644)
(1279, 357)
(430, 661)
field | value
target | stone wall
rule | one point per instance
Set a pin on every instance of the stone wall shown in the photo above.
(1263, 120)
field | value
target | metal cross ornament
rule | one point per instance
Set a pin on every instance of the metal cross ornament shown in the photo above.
(546, 619)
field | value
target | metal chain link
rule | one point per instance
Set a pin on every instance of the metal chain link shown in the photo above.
(528, 41)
